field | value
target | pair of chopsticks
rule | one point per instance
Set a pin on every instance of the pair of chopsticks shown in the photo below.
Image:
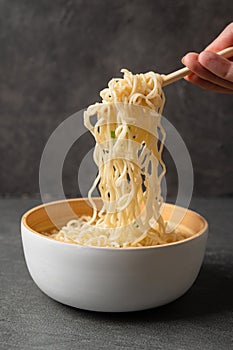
(181, 73)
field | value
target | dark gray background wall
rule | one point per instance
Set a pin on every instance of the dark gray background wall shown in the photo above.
(56, 55)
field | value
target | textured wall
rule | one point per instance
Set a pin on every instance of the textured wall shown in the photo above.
(56, 55)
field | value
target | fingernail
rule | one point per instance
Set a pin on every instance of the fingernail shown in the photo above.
(183, 59)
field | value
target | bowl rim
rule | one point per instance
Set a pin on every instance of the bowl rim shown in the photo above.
(167, 245)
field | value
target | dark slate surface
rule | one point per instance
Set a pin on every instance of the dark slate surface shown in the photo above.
(201, 319)
(56, 55)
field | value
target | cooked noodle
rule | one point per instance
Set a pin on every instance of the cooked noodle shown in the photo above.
(128, 152)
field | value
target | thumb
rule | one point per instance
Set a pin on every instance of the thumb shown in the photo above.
(216, 64)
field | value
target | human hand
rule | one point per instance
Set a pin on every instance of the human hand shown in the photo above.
(209, 70)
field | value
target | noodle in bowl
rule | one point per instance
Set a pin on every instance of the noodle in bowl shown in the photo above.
(110, 279)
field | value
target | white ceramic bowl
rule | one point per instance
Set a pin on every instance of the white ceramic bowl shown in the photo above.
(110, 279)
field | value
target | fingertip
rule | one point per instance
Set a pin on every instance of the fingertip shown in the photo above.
(190, 56)
(190, 77)
(183, 59)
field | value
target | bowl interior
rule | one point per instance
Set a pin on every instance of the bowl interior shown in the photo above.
(54, 215)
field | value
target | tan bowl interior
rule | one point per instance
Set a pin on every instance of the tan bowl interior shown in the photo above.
(38, 220)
